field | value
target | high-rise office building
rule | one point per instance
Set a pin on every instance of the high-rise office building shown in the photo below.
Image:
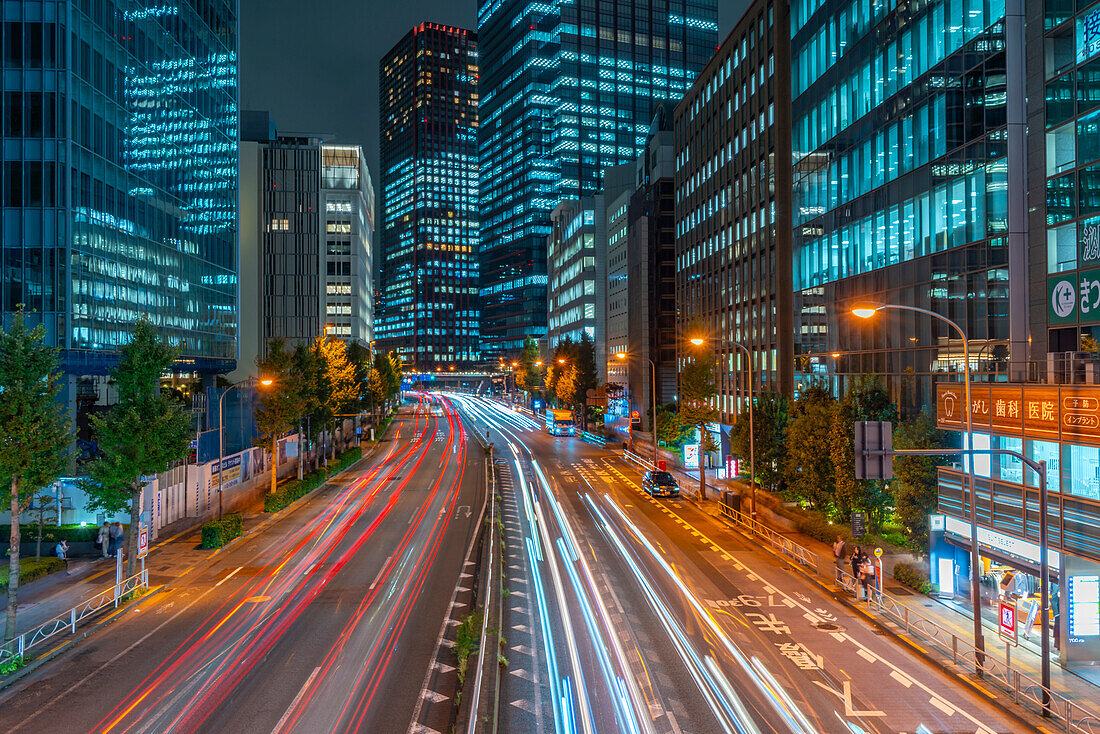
(307, 240)
(568, 90)
(347, 202)
(427, 308)
(733, 207)
(908, 188)
(641, 281)
(119, 179)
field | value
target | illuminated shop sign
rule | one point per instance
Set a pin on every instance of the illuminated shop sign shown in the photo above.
(1016, 547)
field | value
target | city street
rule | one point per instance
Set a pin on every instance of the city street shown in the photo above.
(634, 613)
(307, 625)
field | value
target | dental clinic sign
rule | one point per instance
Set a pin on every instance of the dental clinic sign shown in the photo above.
(1074, 298)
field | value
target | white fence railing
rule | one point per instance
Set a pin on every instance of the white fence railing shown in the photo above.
(18, 647)
(781, 544)
(1025, 690)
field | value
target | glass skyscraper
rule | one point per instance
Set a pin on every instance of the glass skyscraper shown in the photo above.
(904, 122)
(426, 309)
(119, 177)
(568, 90)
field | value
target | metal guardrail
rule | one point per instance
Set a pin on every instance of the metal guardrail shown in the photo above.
(593, 438)
(779, 543)
(18, 647)
(1025, 690)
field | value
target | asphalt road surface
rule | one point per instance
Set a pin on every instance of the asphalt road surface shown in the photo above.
(635, 614)
(323, 621)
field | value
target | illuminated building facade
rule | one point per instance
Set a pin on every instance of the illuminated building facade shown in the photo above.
(427, 305)
(347, 203)
(733, 208)
(568, 90)
(119, 177)
(306, 240)
(641, 279)
(910, 188)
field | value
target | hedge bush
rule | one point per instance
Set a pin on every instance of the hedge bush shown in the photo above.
(54, 533)
(909, 575)
(217, 533)
(296, 488)
(29, 570)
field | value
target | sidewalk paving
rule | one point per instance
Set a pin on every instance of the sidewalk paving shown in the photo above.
(174, 554)
(1082, 687)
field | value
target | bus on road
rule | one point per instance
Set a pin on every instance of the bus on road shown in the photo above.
(560, 423)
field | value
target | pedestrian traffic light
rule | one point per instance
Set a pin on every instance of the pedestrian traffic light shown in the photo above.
(872, 439)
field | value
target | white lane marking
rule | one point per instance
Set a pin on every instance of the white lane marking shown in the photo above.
(231, 575)
(375, 582)
(901, 678)
(294, 703)
(942, 705)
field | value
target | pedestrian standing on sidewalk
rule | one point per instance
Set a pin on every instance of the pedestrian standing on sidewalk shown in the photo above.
(62, 551)
(867, 577)
(115, 539)
(104, 538)
(839, 551)
(858, 559)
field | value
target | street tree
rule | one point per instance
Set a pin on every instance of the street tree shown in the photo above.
(281, 404)
(141, 434)
(584, 359)
(809, 471)
(696, 392)
(565, 386)
(915, 477)
(307, 381)
(529, 374)
(34, 432)
(340, 388)
(866, 400)
(769, 423)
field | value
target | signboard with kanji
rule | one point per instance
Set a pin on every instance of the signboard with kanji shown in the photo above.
(143, 542)
(1067, 413)
(1007, 623)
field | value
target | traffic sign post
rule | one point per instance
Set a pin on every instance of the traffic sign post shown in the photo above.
(143, 542)
(878, 559)
(1006, 627)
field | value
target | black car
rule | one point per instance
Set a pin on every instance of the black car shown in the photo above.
(660, 484)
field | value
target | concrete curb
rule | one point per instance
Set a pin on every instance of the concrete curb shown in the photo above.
(1013, 710)
(70, 642)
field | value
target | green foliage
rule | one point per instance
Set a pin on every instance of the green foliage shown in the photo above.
(529, 374)
(809, 471)
(467, 639)
(770, 420)
(217, 533)
(296, 488)
(11, 665)
(909, 575)
(340, 384)
(671, 430)
(282, 403)
(141, 434)
(697, 391)
(34, 430)
(915, 476)
(56, 533)
(34, 427)
(31, 570)
(866, 400)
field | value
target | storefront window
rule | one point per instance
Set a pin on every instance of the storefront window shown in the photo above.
(1083, 471)
(1011, 468)
(1048, 452)
(981, 461)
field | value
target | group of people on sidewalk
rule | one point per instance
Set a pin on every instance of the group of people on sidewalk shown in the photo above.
(110, 539)
(863, 568)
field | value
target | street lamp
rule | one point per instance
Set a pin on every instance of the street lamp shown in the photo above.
(698, 341)
(265, 382)
(866, 311)
(653, 395)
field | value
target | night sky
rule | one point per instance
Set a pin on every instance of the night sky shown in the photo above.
(314, 64)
